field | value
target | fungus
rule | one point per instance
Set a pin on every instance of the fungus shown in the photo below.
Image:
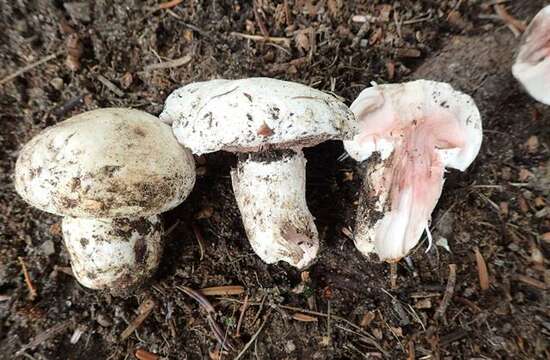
(267, 122)
(410, 133)
(532, 66)
(109, 172)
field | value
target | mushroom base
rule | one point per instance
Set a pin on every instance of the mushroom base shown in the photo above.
(270, 192)
(116, 254)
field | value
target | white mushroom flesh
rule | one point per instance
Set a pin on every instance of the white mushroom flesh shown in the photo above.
(411, 132)
(532, 66)
(270, 194)
(115, 254)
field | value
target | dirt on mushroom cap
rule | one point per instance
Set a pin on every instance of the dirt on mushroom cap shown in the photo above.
(105, 163)
(254, 114)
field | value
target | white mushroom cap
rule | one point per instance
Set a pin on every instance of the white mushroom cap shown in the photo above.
(113, 253)
(416, 129)
(110, 162)
(532, 66)
(253, 114)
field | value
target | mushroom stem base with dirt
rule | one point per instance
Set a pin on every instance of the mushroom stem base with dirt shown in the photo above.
(117, 254)
(270, 191)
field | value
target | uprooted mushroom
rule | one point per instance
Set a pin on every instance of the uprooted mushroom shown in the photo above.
(532, 66)
(409, 133)
(267, 122)
(109, 172)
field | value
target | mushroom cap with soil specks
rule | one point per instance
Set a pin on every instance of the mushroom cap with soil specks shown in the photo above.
(255, 114)
(121, 253)
(107, 163)
(532, 66)
(411, 132)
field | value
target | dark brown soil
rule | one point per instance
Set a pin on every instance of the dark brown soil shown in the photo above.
(499, 206)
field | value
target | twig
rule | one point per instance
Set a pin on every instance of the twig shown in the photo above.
(206, 305)
(170, 4)
(195, 295)
(144, 311)
(32, 289)
(170, 63)
(253, 337)
(109, 85)
(449, 291)
(222, 290)
(516, 26)
(277, 40)
(29, 67)
(199, 237)
(43, 336)
(244, 307)
(531, 282)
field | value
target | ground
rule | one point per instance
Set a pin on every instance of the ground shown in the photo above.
(496, 214)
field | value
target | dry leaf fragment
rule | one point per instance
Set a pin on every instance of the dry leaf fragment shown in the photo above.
(367, 319)
(482, 271)
(141, 354)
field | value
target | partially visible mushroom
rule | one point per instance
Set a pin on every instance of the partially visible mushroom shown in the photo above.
(109, 172)
(532, 66)
(267, 122)
(410, 133)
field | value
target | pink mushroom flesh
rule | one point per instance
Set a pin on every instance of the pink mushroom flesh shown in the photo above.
(412, 176)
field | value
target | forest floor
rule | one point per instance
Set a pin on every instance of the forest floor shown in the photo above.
(133, 54)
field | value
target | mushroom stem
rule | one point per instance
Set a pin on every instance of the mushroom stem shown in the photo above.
(117, 253)
(270, 191)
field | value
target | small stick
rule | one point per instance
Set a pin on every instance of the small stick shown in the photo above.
(206, 305)
(195, 295)
(304, 317)
(449, 291)
(516, 26)
(32, 289)
(531, 282)
(170, 63)
(144, 311)
(29, 67)
(244, 307)
(222, 290)
(109, 85)
(170, 4)
(200, 239)
(43, 336)
(277, 40)
(253, 337)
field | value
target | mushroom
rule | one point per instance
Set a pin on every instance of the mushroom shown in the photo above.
(532, 66)
(410, 133)
(109, 172)
(267, 122)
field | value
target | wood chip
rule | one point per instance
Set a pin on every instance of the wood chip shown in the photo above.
(482, 271)
(144, 311)
(408, 53)
(304, 317)
(222, 290)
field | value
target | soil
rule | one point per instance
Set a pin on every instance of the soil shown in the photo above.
(496, 213)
